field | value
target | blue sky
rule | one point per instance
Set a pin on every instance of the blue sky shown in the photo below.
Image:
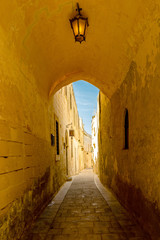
(86, 98)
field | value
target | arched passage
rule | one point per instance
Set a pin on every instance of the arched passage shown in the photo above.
(73, 77)
(38, 57)
(44, 31)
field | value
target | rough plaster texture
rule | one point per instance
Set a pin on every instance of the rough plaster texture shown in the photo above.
(37, 57)
(28, 173)
(63, 108)
(40, 33)
(24, 148)
(87, 150)
(25, 153)
(133, 173)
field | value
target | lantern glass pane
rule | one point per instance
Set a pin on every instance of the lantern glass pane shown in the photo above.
(75, 26)
(82, 23)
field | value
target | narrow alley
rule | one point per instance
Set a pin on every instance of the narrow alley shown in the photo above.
(54, 129)
(84, 210)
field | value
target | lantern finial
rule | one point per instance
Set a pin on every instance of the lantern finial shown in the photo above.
(78, 9)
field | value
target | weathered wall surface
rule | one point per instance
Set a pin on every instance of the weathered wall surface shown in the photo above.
(95, 137)
(134, 173)
(25, 154)
(37, 56)
(66, 113)
(81, 148)
(105, 154)
(59, 107)
(31, 171)
(87, 160)
(87, 150)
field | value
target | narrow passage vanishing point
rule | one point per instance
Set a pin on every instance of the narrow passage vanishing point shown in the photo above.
(83, 209)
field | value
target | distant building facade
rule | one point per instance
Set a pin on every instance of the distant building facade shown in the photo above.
(87, 150)
(95, 128)
(72, 145)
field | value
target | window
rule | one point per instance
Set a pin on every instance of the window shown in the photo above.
(52, 140)
(57, 137)
(126, 127)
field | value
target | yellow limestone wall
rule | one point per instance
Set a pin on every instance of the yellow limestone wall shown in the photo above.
(87, 150)
(134, 174)
(29, 173)
(63, 109)
(37, 56)
(25, 153)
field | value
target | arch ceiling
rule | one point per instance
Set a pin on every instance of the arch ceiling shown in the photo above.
(41, 35)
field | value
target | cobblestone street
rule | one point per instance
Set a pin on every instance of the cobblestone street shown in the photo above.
(84, 209)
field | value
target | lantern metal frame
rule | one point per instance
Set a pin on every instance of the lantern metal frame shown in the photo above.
(79, 37)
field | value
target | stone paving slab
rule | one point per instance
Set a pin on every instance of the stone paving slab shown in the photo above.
(84, 209)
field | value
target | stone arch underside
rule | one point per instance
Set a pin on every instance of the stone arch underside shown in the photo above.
(73, 77)
(40, 36)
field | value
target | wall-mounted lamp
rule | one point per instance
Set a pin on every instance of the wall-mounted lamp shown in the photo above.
(79, 25)
(69, 125)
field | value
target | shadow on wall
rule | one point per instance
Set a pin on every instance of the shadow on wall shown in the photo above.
(129, 144)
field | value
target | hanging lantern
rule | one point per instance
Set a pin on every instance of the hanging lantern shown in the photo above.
(79, 25)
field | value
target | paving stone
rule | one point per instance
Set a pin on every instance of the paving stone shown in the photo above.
(41, 226)
(111, 237)
(102, 224)
(74, 236)
(88, 210)
(73, 219)
(85, 224)
(70, 230)
(100, 230)
(36, 236)
(55, 231)
(60, 219)
(68, 225)
(55, 225)
(89, 218)
(85, 230)
(85, 210)
(116, 230)
(137, 238)
(107, 218)
(48, 214)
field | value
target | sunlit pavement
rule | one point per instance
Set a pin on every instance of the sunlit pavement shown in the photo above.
(84, 209)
